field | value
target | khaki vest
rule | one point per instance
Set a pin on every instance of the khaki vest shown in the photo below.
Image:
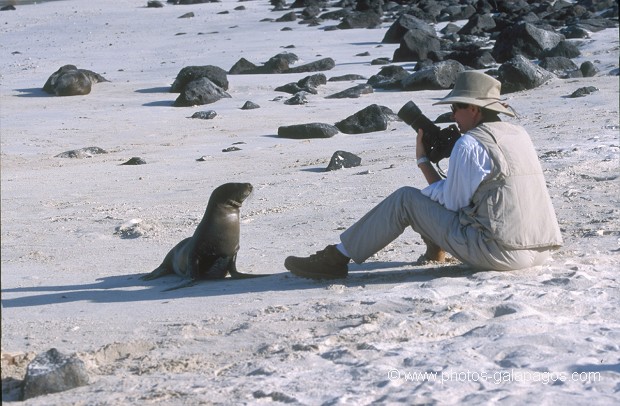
(512, 206)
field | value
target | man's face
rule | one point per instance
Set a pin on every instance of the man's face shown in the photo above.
(466, 116)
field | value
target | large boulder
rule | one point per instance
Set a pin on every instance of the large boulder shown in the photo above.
(440, 75)
(389, 77)
(560, 66)
(242, 66)
(417, 45)
(188, 74)
(360, 19)
(305, 131)
(352, 92)
(199, 92)
(521, 74)
(316, 66)
(478, 24)
(523, 39)
(370, 119)
(343, 159)
(404, 23)
(53, 372)
(563, 48)
(472, 55)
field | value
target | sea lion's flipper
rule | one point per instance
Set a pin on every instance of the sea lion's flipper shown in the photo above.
(159, 271)
(185, 284)
(234, 274)
(93, 76)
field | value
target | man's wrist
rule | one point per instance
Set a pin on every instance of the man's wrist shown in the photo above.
(423, 160)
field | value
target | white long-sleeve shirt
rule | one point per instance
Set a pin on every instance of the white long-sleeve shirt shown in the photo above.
(468, 165)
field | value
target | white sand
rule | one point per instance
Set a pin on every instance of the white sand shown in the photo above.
(69, 282)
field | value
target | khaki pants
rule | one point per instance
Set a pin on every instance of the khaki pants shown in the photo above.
(409, 207)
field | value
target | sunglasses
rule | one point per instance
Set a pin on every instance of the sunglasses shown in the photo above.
(454, 107)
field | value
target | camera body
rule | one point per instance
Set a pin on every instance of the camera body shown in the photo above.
(437, 142)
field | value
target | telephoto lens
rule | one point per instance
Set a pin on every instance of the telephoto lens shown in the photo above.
(412, 115)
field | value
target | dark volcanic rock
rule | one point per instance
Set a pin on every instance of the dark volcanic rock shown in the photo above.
(573, 31)
(563, 48)
(416, 45)
(204, 115)
(380, 61)
(597, 24)
(389, 77)
(441, 75)
(559, 65)
(191, 73)
(524, 39)
(242, 66)
(316, 66)
(352, 92)
(521, 74)
(478, 24)
(312, 81)
(53, 372)
(297, 99)
(583, 91)
(588, 69)
(136, 160)
(370, 119)
(249, 105)
(310, 130)
(457, 12)
(474, 57)
(345, 78)
(290, 16)
(154, 4)
(307, 84)
(360, 19)
(87, 152)
(291, 88)
(343, 159)
(335, 15)
(281, 64)
(198, 92)
(404, 23)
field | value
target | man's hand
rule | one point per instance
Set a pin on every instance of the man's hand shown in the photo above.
(420, 151)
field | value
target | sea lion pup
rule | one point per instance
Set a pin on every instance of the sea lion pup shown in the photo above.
(71, 81)
(211, 253)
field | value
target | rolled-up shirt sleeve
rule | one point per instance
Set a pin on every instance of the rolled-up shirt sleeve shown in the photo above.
(468, 165)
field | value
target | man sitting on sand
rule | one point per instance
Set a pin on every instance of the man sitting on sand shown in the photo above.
(493, 211)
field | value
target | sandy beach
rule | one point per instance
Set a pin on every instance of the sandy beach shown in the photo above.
(394, 331)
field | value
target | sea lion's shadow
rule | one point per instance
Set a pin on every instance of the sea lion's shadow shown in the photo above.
(126, 288)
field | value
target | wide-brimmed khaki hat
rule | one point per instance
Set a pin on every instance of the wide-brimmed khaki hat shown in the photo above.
(478, 89)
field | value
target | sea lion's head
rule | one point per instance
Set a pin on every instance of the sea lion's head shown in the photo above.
(232, 194)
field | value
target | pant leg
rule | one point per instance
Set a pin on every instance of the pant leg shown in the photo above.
(405, 207)
(408, 207)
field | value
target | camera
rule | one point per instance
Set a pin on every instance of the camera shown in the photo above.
(437, 142)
